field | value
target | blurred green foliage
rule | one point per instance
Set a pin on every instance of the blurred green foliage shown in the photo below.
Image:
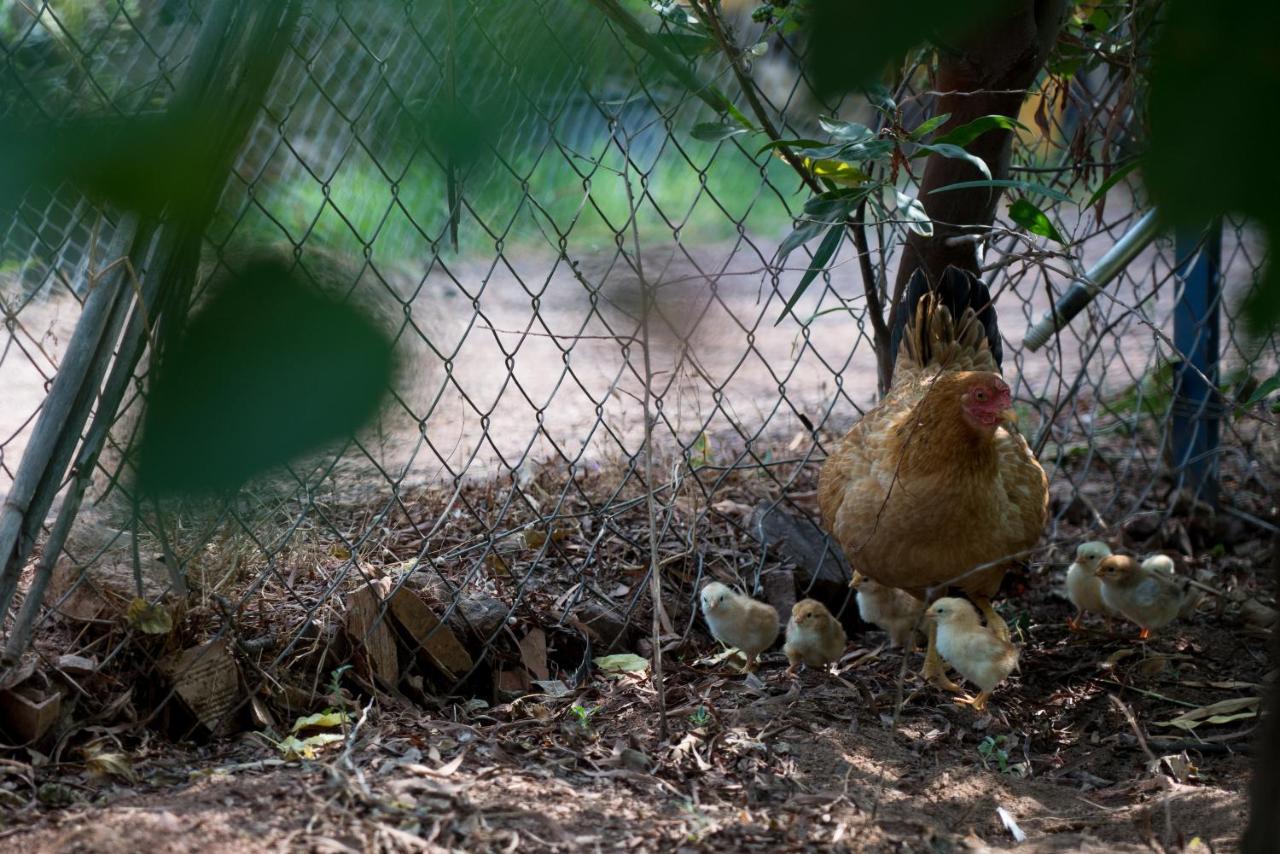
(1216, 72)
(852, 43)
(267, 369)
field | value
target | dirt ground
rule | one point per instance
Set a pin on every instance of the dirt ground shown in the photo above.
(767, 762)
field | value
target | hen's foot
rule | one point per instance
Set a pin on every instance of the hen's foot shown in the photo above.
(994, 620)
(979, 702)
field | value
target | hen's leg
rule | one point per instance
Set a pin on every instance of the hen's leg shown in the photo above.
(979, 702)
(935, 671)
(994, 620)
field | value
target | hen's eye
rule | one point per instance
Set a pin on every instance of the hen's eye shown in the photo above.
(980, 395)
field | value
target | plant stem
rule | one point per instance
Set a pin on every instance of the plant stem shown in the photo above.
(708, 13)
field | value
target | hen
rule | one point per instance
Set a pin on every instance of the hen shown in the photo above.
(929, 490)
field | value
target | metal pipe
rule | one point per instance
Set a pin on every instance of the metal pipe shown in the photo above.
(1082, 292)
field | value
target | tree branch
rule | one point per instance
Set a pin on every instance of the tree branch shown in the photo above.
(709, 15)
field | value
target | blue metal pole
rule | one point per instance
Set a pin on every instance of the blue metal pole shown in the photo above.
(1197, 405)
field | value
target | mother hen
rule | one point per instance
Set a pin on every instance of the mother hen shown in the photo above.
(929, 490)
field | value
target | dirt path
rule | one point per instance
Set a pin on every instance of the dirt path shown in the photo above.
(530, 357)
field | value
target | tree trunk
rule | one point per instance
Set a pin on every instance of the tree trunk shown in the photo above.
(1263, 832)
(988, 74)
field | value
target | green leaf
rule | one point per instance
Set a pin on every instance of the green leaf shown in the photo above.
(1033, 220)
(826, 249)
(804, 232)
(845, 131)
(967, 133)
(957, 153)
(820, 213)
(624, 662)
(715, 132)
(791, 143)
(1006, 183)
(1263, 391)
(929, 126)
(1114, 178)
(848, 152)
(268, 369)
(688, 45)
(914, 212)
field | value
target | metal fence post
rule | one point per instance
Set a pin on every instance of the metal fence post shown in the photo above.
(1197, 406)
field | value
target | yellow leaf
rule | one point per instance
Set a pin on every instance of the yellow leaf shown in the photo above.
(835, 171)
(625, 662)
(292, 747)
(148, 618)
(323, 720)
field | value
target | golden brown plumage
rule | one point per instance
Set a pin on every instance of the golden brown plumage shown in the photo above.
(814, 636)
(929, 485)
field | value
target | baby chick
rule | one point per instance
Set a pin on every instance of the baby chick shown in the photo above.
(1083, 588)
(1164, 563)
(973, 649)
(814, 637)
(896, 611)
(739, 621)
(1143, 593)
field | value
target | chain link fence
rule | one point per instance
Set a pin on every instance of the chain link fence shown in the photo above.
(494, 528)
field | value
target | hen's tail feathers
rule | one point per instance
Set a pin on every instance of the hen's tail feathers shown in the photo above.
(926, 329)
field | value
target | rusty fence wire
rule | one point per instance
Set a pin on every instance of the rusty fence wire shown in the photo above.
(492, 528)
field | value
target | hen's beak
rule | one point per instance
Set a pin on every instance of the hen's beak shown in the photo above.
(1008, 416)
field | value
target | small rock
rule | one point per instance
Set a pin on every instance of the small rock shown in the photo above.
(1139, 529)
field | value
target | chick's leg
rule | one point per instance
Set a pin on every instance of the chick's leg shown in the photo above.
(935, 671)
(994, 620)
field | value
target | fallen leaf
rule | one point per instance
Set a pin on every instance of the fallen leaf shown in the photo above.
(148, 618)
(623, 662)
(112, 765)
(1006, 818)
(323, 720)
(533, 653)
(1177, 765)
(1222, 712)
(292, 747)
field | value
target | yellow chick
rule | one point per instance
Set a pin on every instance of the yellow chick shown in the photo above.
(1161, 563)
(896, 611)
(974, 650)
(1083, 588)
(739, 621)
(1148, 596)
(814, 636)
